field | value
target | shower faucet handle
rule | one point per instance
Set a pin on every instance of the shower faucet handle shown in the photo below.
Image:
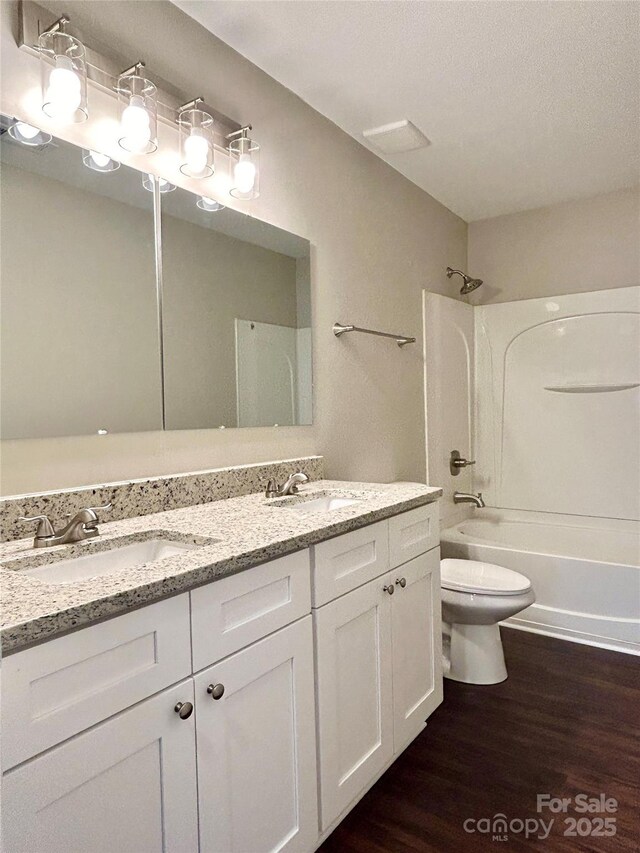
(457, 462)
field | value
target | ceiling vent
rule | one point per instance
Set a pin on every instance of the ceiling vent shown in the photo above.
(396, 137)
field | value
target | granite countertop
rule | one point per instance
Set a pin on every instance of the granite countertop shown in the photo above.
(232, 535)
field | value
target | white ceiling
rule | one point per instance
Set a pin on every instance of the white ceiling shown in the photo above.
(525, 103)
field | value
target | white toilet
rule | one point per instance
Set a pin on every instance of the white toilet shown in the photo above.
(475, 597)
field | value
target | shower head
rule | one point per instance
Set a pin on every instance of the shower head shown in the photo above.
(469, 285)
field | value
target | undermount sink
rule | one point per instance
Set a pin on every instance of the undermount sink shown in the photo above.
(99, 563)
(326, 503)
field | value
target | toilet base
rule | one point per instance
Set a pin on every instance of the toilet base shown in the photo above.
(476, 655)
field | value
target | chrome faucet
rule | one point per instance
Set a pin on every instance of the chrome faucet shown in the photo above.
(465, 498)
(83, 525)
(289, 488)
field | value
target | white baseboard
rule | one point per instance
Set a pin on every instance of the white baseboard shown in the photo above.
(572, 636)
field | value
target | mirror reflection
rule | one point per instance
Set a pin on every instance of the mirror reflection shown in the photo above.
(94, 342)
(236, 319)
(79, 345)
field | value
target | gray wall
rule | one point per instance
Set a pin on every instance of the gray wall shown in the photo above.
(584, 245)
(377, 241)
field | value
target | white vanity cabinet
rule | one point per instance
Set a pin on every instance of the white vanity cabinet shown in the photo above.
(257, 747)
(248, 715)
(378, 663)
(128, 784)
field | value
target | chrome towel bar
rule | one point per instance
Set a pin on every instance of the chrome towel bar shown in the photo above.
(401, 340)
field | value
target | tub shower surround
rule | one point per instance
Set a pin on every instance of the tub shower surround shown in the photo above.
(585, 572)
(146, 497)
(233, 534)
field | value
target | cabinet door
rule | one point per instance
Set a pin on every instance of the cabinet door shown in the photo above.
(353, 649)
(128, 784)
(256, 747)
(416, 642)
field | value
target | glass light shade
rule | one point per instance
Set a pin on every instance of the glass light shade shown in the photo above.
(244, 157)
(196, 143)
(98, 162)
(163, 185)
(209, 204)
(27, 134)
(64, 77)
(138, 108)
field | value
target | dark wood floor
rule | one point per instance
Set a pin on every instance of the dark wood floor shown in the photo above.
(565, 722)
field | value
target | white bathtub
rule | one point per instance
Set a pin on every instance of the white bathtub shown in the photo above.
(585, 572)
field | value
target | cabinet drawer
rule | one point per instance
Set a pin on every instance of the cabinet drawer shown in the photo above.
(412, 533)
(348, 561)
(55, 690)
(235, 611)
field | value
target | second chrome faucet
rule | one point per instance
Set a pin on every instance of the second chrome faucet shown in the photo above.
(289, 488)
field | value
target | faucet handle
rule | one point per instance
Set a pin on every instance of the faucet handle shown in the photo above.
(106, 506)
(44, 529)
(91, 523)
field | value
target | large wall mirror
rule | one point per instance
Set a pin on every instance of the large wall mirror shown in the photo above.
(95, 340)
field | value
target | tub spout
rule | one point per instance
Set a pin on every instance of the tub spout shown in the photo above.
(464, 498)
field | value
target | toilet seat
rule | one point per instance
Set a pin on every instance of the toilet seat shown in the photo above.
(482, 578)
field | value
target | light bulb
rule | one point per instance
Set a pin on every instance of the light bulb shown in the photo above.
(101, 160)
(136, 125)
(196, 151)
(244, 174)
(64, 93)
(27, 131)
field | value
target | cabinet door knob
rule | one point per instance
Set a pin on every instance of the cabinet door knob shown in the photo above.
(216, 690)
(401, 582)
(184, 710)
(390, 589)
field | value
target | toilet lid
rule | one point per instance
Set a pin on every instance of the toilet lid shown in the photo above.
(482, 578)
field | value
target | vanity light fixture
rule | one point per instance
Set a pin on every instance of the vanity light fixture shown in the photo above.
(244, 156)
(138, 109)
(163, 185)
(209, 204)
(64, 74)
(196, 140)
(99, 162)
(27, 134)
(203, 130)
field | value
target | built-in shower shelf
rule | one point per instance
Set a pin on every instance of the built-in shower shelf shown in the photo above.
(592, 389)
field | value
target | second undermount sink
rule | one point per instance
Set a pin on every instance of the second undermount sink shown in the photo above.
(322, 503)
(326, 504)
(107, 562)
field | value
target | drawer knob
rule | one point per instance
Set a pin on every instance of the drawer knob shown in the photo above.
(216, 690)
(184, 710)
(401, 582)
(390, 589)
